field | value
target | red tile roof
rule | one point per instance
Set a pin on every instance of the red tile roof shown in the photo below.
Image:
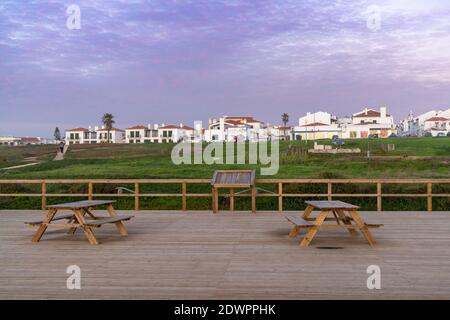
(172, 126)
(437, 119)
(137, 127)
(314, 124)
(112, 129)
(30, 139)
(239, 120)
(78, 129)
(368, 114)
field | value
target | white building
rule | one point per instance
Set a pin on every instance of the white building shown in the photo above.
(115, 135)
(175, 133)
(231, 129)
(279, 132)
(424, 123)
(317, 125)
(142, 134)
(437, 126)
(9, 141)
(369, 122)
(77, 136)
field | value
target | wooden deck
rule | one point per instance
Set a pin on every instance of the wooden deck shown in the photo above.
(198, 255)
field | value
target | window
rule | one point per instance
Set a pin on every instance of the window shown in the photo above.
(137, 134)
(164, 134)
(132, 134)
(352, 134)
(170, 133)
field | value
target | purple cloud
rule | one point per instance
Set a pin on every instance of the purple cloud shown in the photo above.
(178, 61)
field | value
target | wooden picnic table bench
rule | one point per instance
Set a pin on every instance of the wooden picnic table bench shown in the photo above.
(80, 217)
(345, 215)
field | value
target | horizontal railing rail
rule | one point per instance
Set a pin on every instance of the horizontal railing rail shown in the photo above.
(280, 194)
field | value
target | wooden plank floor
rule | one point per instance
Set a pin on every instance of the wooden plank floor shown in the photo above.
(199, 255)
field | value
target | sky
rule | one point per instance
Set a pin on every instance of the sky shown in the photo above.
(177, 61)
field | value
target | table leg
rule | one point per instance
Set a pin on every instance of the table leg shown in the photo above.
(79, 215)
(312, 231)
(346, 221)
(309, 209)
(40, 231)
(294, 232)
(119, 224)
(361, 225)
(73, 229)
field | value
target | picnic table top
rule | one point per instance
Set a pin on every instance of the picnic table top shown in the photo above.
(80, 204)
(327, 204)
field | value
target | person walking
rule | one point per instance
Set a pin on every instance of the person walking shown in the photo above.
(61, 147)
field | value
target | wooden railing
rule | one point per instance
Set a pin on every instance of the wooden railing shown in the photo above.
(379, 195)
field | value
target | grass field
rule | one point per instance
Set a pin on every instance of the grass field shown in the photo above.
(412, 158)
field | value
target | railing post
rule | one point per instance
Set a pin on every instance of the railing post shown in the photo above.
(183, 196)
(254, 199)
(379, 199)
(330, 191)
(43, 192)
(231, 199)
(90, 190)
(136, 195)
(280, 196)
(429, 197)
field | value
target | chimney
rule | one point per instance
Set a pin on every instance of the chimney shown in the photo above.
(209, 121)
(222, 124)
(383, 112)
(366, 110)
(181, 125)
(90, 128)
(156, 126)
(103, 127)
(96, 128)
(149, 126)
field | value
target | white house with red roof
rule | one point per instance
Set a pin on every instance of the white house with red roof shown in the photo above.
(370, 122)
(236, 128)
(317, 125)
(434, 122)
(116, 135)
(77, 135)
(438, 125)
(175, 133)
(142, 134)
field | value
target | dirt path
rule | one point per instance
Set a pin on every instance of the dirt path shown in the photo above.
(20, 166)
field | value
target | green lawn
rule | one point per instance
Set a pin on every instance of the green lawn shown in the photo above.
(153, 161)
(412, 158)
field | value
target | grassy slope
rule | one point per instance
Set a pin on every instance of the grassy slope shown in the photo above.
(153, 161)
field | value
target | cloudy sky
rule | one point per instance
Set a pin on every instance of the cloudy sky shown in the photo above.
(171, 61)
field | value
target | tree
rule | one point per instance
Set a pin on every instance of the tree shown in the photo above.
(108, 121)
(285, 119)
(57, 134)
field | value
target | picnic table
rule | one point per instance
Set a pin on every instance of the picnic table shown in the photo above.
(345, 215)
(81, 216)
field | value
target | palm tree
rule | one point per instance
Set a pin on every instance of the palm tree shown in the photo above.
(285, 119)
(108, 121)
